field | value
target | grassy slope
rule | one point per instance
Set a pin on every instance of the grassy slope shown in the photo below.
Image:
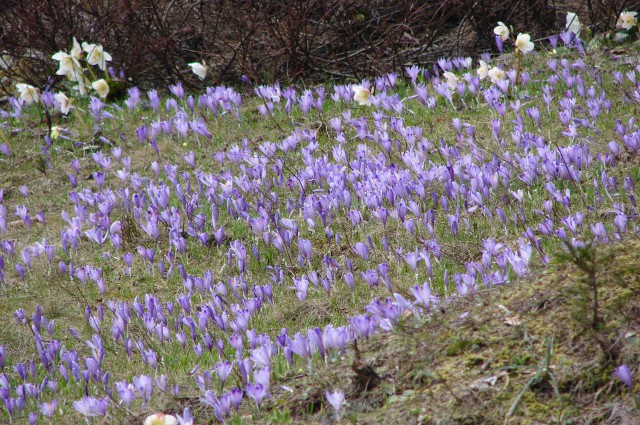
(428, 369)
(523, 354)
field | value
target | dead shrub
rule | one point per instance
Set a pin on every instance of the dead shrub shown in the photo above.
(268, 40)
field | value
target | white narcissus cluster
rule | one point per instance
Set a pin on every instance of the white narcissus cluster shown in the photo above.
(495, 74)
(69, 65)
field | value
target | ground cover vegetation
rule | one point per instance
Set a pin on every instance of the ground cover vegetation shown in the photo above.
(452, 244)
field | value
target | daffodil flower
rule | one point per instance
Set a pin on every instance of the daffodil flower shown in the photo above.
(524, 43)
(496, 75)
(28, 93)
(101, 87)
(483, 71)
(160, 419)
(96, 55)
(502, 31)
(627, 20)
(362, 95)
(69, 65)
(76, 49)
(452, 79)
(200, 69)
(65, 102)
(573, 23)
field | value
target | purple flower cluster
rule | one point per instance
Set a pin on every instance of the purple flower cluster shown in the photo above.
(376, 198)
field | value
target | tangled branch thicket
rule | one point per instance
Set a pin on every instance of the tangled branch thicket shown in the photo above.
(268, 40)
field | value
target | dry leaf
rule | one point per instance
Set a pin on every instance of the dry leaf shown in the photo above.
(512, 321)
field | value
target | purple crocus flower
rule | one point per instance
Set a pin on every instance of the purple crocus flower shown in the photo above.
(362, 250)
(304, 245)
(256, 392)
(125, 391)
(4, 148)
(186, 417)
(177, 90)
(262, 377)
(499, 43)
(371, 277)
(300, 345)
(624, 373)
(236, 397)
(21, 271)
(48, 408)
(90, 406)
(223, 369)
(335, 399)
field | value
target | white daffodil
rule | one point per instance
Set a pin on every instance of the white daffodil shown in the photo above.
(88, 47)
(96, 55)
(160, 419)
(362, 95)
(200, 69)
(496, 75)
(65, 102)
(28, 93)
(101, 87)
(483, 70)
(627, 20)
(502, 31)
(76, 49)
(452, 79)
(524, 43)
(69, 66)
(573, 23)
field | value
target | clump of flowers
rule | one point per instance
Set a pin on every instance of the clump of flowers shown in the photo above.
(495, 74)
(523, 44)
(81, 67)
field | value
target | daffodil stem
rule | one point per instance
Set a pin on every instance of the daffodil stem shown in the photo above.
(519, 58)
